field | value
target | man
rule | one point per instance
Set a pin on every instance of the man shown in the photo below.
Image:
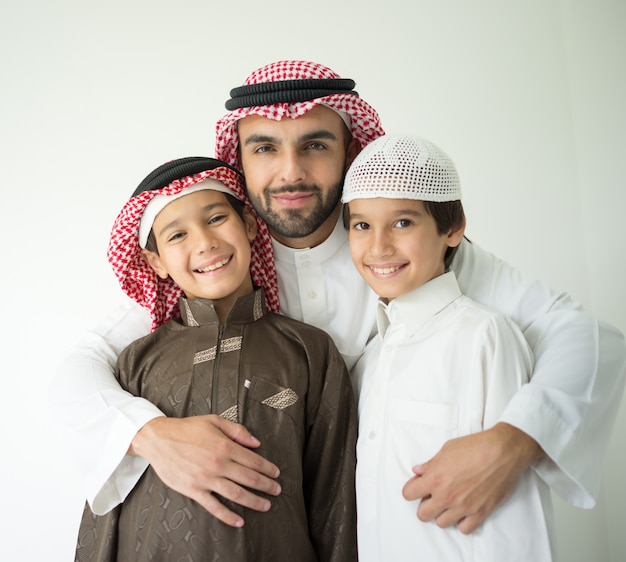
(294, 128)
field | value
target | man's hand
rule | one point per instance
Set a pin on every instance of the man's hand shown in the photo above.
(202, 455)
(470, 476)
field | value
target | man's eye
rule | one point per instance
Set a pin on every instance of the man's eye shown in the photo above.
(403, 223)
(316, 146)
(262, 149)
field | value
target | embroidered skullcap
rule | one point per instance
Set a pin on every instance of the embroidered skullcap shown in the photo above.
(136, 277)
(289, 89)
(402, 167)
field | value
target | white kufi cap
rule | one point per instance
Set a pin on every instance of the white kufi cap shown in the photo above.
(402, 167)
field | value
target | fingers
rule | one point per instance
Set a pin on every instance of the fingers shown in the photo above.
(469, 524)
(231, 481)
(236, 494)
(228, 476)
(248, 459)
(237, 432)
(207, 457)
(417, 488)
(430, 510)
(218, 510)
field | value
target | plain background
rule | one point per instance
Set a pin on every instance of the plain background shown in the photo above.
(526, 97)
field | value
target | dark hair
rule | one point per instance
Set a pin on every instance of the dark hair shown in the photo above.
(235, 203)
(448, 215)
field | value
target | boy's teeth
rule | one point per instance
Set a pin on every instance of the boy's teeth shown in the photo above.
(216, 265)
(384, 270)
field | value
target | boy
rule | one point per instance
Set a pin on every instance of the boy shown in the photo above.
(226, 355)
(441, 367)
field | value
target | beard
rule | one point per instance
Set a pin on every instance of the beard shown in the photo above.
(297, 223)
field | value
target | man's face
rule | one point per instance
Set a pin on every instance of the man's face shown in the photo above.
(294, 172)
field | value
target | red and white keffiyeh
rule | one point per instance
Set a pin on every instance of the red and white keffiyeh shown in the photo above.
(364, 121)
(160, 296)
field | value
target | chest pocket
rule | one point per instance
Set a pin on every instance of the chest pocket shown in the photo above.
(275, 415)
(425, 425)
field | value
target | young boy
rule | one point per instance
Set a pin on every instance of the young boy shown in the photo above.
(441, 367)
(186, 229)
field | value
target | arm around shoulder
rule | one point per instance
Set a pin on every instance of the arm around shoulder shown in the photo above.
(571, 403)
(97, 418)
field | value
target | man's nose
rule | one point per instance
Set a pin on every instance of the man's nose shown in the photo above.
(292, 170)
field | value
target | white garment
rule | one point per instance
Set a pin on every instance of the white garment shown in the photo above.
(442, 367)
(578, 376)
(321, 286)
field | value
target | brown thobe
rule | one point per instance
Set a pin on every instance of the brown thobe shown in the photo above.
(287, 384)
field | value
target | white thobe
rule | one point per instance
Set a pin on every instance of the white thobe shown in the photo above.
(569, 408)
(442, 367)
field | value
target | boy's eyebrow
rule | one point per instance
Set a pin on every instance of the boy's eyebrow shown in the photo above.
(397, 213)
(256, 138)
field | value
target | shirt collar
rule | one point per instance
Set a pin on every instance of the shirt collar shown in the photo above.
(417, 307)
(201, 312)
(320, 253)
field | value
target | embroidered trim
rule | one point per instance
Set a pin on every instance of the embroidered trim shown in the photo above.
(231, 414)
(206, 355)
(257, 310)
(190, 317)
(229, 344)
(282, 400)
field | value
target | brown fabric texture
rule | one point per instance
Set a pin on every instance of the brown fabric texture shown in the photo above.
(287, 383)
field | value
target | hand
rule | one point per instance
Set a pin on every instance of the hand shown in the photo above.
(470, 476)
(202, 455)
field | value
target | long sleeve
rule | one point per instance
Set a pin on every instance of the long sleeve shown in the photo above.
(329, 462)
(97, 418)
(570, 405)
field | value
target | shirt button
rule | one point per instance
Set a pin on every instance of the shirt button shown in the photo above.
(388, 347)
(312, 295)
(372, 435)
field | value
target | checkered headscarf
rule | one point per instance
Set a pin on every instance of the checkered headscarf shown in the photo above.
(290, 89)
(137, 279)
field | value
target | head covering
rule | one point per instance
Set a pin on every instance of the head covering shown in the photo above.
(291, 88)
(402, 167)
(175, 178)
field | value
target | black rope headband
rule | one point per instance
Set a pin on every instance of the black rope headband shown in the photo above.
(288, 91)
(178, 169)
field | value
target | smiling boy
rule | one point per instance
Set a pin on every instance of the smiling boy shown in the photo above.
(222, 354)
(442, 366)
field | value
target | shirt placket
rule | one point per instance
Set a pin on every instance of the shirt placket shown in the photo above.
(312, 289)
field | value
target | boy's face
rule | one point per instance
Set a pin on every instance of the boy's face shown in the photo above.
(204, 246)
(395, 245)
(294, 170)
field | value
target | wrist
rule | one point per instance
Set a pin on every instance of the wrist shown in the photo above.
(522, 446)
(139, 445)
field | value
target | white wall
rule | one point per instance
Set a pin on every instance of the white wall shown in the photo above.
(527, 97)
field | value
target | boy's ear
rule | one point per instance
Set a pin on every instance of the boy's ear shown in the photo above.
(455, 236)
(154, 261)
(250, 223)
